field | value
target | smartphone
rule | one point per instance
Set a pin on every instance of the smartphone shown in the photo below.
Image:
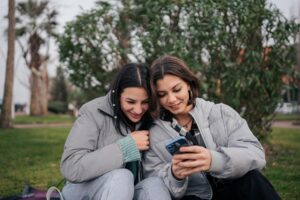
(174, 144)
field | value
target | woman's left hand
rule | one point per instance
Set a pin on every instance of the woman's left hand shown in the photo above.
(194, 159)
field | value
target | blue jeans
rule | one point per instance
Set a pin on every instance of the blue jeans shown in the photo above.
(117, 185)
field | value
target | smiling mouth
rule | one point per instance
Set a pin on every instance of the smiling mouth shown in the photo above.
(136, 116)
(175, 107)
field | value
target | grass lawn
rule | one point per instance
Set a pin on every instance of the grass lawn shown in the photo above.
(287, 117)
(51, 118)
(283, 168)
(32, 156)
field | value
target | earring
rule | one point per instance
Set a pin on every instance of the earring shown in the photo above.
(190, 101)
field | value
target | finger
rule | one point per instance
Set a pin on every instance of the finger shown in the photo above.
(144, 143)
(191, 149)
(146, 137)
(175, 160)
(192, 163)
(143, 132)
(188, 156)
(140, 132)
(191, 171)
(177, 171)
(143, 148)
(184, 172)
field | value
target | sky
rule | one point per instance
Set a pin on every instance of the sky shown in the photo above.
(68, 9)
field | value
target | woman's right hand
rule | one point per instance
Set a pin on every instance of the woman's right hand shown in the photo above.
(141, 139)
(193, 159)
(177, 170)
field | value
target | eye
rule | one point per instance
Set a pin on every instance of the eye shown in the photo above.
(160, 95)
(145, 102)
(177, 90)
(130, 102)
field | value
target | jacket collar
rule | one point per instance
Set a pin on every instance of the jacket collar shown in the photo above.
(106, 105)
(200, 112)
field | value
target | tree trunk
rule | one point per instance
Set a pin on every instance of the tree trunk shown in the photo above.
(6, 115)
(298, 67)
(39, 92)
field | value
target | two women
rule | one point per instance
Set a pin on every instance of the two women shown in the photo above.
(102, 154)
(224, 157)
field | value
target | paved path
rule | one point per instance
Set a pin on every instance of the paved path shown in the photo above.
(286, 124)
(42, 125)
(277, 124)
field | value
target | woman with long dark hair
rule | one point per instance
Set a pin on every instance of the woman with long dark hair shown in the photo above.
(101, 158)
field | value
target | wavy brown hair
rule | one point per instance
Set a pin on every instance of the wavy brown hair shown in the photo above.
(171, 65)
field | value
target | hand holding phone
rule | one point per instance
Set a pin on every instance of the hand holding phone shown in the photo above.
(174, 145)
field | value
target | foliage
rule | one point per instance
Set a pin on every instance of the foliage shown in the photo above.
(92, 48)
(239, 49)
(64, 93)
(77, 97)
(59, 93)
(35, 26)
(59, 90)
(36, 22)
(58, 107)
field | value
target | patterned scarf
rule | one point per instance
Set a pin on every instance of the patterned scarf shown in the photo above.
(193, 135)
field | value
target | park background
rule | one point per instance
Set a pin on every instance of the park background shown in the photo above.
(244, 53)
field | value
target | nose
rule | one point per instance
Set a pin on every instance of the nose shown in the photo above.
(171, 98)
(138, 109)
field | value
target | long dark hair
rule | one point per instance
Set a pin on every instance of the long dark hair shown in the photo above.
(130, 75)
(170, 65)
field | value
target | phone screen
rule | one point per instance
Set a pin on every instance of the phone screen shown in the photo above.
(174, 144)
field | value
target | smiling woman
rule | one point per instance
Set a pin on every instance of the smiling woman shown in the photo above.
(223, 159)
(103, 150)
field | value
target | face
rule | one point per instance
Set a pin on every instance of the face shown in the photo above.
(134, 103)
(173, 95)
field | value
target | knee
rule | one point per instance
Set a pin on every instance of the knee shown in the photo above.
(151, 188)
(254, 179)
(153, 182)
(119, 184)
(257, 184)
(253, 175)
(120, 178)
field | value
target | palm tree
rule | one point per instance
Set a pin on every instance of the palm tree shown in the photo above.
(36, 26)
(6, 114)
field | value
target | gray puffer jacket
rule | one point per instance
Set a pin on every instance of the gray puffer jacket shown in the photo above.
(233, 147)
(92, 147)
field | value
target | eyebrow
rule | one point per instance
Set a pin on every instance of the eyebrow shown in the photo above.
(130, 99)
(171, 88)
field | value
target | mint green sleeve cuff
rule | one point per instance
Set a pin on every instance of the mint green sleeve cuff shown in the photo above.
(129, 149)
